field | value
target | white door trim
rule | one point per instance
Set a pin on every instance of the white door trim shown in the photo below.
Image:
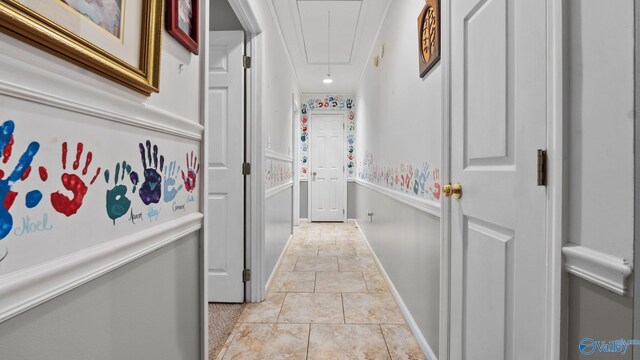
(255, 195)
(204, 154)
(295, 114)
(310, 159)
(555, 102)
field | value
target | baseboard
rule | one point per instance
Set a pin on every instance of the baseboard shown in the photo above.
(276, 268)
(424, 345)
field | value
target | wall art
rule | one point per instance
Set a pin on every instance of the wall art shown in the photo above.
(182, 23)
(92, 34)
(277, 172)
(429, 36)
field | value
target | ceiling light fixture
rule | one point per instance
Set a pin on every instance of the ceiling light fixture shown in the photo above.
(328, 80)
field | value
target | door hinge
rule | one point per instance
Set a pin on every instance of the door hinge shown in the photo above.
(246, 61)
(542, 167)
(246, 275)
(246, 169)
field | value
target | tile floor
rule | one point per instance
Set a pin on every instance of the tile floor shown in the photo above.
(328, 301)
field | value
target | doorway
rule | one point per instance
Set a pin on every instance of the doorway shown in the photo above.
(328, 181)
(495, 217)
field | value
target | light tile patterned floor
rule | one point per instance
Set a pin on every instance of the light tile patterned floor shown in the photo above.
(328, 301)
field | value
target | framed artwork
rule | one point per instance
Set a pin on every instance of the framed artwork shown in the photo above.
(429, 36)
(118, 39)
(182, 22)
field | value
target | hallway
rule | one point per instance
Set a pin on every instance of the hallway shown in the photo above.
(327, 301)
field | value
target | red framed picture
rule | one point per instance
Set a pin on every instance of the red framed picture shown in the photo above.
(182, 22)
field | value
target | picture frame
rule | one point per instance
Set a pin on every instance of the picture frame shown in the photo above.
(62, 28)
(429, 36)
(183, 23)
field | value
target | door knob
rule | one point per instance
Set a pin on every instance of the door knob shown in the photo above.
(454, 191)
(315, 173)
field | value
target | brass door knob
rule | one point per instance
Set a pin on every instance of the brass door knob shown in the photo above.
(454, 191)
(315, 173)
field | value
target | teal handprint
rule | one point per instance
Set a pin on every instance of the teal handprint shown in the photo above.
(117, 201)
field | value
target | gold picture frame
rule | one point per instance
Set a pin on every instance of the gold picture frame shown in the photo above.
(22, 22)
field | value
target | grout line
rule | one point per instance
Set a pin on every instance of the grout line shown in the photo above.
(281, 306)
(385, 342)
(309, 341)
(344, 315)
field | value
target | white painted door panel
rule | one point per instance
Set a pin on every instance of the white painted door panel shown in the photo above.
(328, 179)
(225, 221)
(498, 243)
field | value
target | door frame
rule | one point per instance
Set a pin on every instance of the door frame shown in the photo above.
(554, 239)
(254, 152)
(295, 114)
(310, 159)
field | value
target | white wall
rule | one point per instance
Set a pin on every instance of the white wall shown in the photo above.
(67, 93)
(600, 121)
(398, 134)
(279, 83)
(398, 113)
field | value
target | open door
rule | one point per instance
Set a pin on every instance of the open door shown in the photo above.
(225, 221)
(498, 214)
(327, 176)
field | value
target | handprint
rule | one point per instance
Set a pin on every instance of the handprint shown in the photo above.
(117, 201)
(73, 183)
(193, 168)
(170, 189)
(151, 190)
(20, 172)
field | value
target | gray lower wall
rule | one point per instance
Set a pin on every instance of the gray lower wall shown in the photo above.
(278, 226)
(147, 309)
(597, 313)
(304, 200)
(407, 242)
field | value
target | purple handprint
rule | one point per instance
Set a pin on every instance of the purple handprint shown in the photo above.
(151, 189)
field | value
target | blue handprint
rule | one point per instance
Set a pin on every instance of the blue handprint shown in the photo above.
(170, 189)
(151, 190)
(6, 183)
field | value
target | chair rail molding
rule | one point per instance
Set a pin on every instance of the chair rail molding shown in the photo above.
(428, 206)
(147, 117)
(610, 272)
(26, 289)
(277, 189)
(270, 154)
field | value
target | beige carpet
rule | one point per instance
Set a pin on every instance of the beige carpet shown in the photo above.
(222, 319)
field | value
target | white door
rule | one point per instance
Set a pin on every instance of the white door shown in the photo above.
(498, 242)
(225, 220)
(328, 181)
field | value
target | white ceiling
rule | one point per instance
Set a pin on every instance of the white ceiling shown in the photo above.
(354, 26)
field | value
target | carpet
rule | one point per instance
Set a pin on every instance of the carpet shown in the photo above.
(222, 320)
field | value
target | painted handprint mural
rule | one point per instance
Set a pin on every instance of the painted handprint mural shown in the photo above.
(117, 201)
(20, 172)
(420, 181)
(72, 182)
(328, 103)
(193, 168)
(50, 193)
(151, 190)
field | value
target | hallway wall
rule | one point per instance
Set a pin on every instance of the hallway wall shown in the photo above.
(143, 299)
(600, 119)
(398, 156)
(279, 85)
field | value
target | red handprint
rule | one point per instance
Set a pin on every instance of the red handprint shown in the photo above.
(193, 168)
(73, 183)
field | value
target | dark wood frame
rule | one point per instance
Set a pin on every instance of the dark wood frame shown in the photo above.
(424, 66)
(187, 40)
